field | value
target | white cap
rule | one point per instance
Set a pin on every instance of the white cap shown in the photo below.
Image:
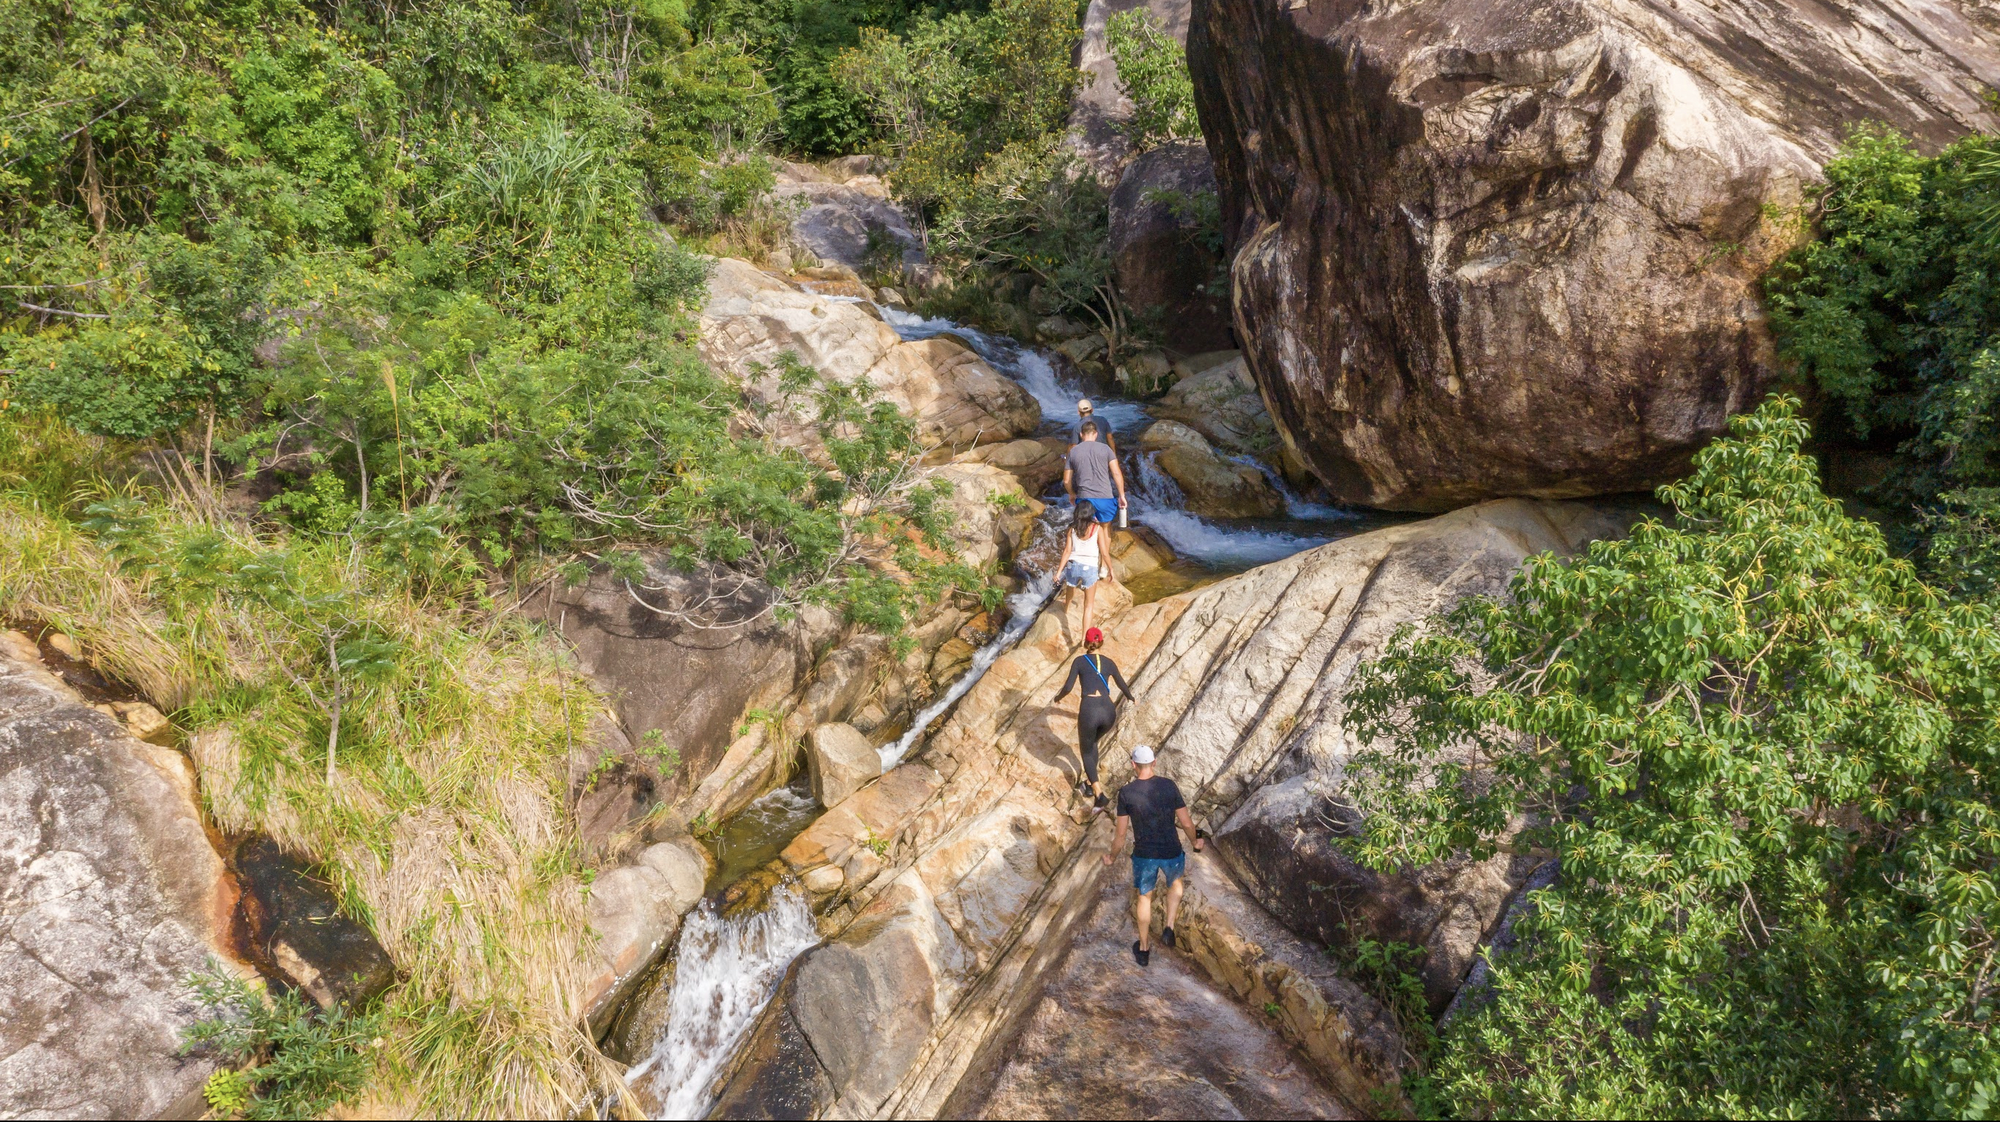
(1142, 755)
(1084, 406)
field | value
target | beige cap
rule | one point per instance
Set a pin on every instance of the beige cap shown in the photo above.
(1084, 406)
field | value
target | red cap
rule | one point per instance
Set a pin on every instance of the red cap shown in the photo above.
(1093, 636)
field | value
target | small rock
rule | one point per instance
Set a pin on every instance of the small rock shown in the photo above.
(1083, 348)
(823, 881)
(1059, 329)
(1146, 374)
(141, 719)
(780, 259)
(65, 646)
(952, 659)
(890, 297)
(841, 762)
(684, 865)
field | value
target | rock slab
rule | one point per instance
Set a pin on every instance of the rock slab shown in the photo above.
(111, 897)
(1513, 247)
(841, 762)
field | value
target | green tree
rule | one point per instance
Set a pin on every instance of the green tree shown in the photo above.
(1152, 69)
(1762, 751)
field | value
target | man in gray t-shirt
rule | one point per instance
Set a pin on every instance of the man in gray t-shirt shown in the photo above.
(1091, 474)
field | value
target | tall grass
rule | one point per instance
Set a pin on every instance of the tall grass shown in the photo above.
(444, 824)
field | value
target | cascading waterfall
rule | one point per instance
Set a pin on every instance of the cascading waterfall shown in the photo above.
(1022, 608)
(727, 969)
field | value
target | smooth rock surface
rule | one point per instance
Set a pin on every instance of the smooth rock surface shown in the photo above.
(1215, 487)
(111, 897)
(1222, 403)
(635, 911)
(1489, 247)
(956, 400)
(842, 761)
(1108, 1039)
(1245, 700)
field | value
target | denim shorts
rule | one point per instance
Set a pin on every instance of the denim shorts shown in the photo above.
(1146, 871)
(1080, 574)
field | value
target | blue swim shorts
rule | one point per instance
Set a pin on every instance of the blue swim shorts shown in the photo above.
(1163, 870)
(1107, 510)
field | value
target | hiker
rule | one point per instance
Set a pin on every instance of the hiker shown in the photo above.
(1091, 474)
(1084, 559)
(1085, 411)
(1151, 805)
(1095, 712)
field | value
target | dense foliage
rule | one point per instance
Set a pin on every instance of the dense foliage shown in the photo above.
(1894, 313)
(1764, 753)
(403, 260)
(293, 1061)
(1152, 70)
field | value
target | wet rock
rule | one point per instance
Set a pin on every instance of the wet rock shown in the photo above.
(636, 910)
(786, 1078)
(1488, 248)
(141, 720)
(842, 762)
(1166, 264)
(1138, 551)
(111, 897)
(294, 931)
(956, 400)
(1213, 486)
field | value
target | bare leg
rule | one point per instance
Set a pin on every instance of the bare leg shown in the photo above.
(1089, 594)
(1142, 910)
(1174, 899)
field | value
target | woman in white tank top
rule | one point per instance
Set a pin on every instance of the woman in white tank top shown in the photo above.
(1083, 559)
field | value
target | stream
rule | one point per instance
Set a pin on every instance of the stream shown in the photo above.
(729, 965)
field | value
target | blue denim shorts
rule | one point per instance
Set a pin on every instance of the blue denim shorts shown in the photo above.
(1080, 575)
(1146, 871)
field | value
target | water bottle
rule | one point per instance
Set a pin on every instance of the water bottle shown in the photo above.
(1121, 516)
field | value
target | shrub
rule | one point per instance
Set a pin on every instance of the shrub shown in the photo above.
(1152, 69)
(1762, 751)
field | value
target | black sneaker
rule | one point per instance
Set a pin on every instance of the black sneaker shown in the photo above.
(1140, 954)
(1167, 937)
(1102, 802)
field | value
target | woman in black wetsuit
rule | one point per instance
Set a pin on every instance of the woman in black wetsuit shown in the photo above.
(1096, 714)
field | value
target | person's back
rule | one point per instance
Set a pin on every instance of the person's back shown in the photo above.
(1151, 804)
(1090, 462)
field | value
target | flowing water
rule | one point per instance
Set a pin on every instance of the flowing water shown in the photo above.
(729, 965)
(726, 969)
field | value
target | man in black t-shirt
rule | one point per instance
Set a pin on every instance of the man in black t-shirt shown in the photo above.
(1151, 806)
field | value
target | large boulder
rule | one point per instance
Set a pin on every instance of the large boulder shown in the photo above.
(1165, 264)
(1489, 247)
(1214, 486)
(1221, 402)
(753, 318)
(844, 216)
(111, 898)
(635, 911)
(840, 762)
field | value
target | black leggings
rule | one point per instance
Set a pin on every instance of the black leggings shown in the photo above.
(1093, 719)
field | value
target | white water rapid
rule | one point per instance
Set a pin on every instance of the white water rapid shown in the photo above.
(726, 970)
(1022, 608)
(1156, 502)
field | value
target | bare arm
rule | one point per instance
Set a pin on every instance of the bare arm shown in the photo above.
(1118, 838)
(1118, 477)
(1186, 822)
(1069, 481)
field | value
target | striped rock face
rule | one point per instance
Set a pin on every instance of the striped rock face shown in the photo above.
(1512, 247)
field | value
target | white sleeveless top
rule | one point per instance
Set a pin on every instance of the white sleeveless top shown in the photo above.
(1083, 551)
